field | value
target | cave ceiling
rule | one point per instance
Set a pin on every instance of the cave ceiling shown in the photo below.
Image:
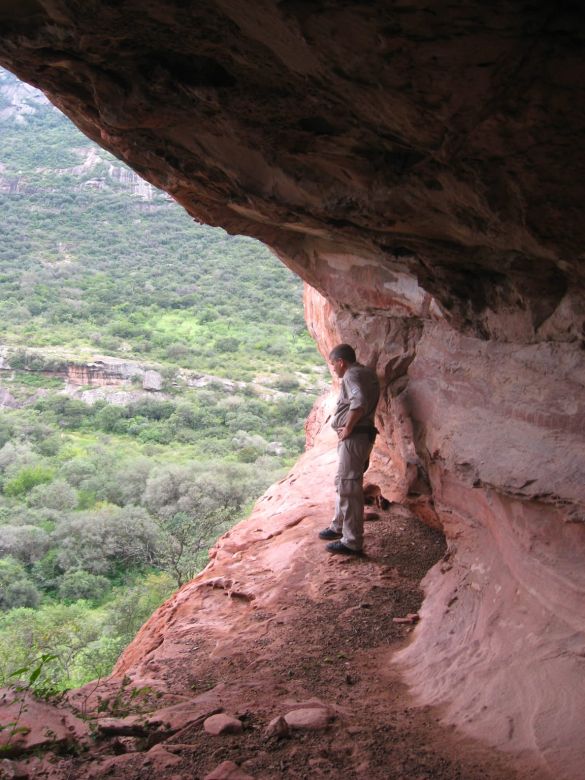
(439, 140)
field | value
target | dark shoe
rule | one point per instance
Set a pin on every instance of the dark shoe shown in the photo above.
(339, 547)
(328, 534)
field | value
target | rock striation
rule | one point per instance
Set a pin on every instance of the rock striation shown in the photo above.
(420, 166)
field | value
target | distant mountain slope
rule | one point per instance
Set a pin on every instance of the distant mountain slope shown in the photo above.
(94, 258)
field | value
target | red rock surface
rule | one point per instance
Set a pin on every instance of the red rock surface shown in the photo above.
(28, 725)
(420, 166)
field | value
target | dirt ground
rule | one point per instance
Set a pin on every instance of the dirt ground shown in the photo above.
(332, 647)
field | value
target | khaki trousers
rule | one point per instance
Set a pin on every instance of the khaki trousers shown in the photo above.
(352, 456)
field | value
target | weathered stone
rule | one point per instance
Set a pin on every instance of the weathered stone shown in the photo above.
(227, 770)
(161, 759)
(278, 727)
(312, 718)
(152, 380)
(36, 725)
(222, 724)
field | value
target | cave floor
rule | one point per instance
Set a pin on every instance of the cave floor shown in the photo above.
(333, 647)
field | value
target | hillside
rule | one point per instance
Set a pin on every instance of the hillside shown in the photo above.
(155, 375)
(94, 258)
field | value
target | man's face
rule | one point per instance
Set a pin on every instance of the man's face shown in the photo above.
(339, 366)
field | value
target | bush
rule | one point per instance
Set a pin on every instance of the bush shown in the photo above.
(21, 593)
(46, 572)
(10, 571)
(13, 455)
(79, 584)
(112, 419)
(27, 543)
(133, 606)
(288, 383)
(58, 495)
(228, 344)
(101, 540)
(27, 478)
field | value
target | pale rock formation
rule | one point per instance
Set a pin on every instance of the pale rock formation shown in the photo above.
(152, 380)
(222, 724)
(308, 718)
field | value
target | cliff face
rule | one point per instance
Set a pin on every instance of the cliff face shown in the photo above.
(486, 438)
(421, 167)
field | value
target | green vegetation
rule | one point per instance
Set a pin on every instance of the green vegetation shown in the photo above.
(106, 508)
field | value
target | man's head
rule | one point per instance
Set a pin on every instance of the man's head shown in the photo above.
(341, 358)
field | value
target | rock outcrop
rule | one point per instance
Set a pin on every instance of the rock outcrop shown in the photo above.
(421, 167)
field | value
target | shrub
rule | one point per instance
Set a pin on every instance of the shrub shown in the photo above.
(27, 478)
(13, 455)
(58, 495)
(228, 344)
(27, 543)
(100, 540)
(288, 383)
(21, 593)
(79, 584)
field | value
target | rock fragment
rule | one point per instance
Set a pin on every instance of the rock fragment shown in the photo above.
(227, 770)
(310, 718)
(222, 724)
(278, 727)
(412, 617)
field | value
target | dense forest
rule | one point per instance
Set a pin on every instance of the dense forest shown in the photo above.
(112, 491)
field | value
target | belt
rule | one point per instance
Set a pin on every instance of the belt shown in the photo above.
(371, 430)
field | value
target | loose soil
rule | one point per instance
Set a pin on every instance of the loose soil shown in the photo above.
(334, 647)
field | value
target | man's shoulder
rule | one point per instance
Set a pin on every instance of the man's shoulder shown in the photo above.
(358, 372)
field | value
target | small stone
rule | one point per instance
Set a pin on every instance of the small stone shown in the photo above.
(412, 617)
(278, 727)
(309, 718)
(227, 770)
(222, 724)
(6, 770)
(161, 758)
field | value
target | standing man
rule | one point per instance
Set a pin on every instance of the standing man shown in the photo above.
(353, 421)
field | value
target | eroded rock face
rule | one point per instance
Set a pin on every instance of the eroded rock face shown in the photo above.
(369, 142)
(421, 167)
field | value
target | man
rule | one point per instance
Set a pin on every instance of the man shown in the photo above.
(354, 422)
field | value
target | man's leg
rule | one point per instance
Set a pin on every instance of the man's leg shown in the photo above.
(349, 511)
(351, 500)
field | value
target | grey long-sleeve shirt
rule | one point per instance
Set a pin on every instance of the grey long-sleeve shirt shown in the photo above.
(359, 389)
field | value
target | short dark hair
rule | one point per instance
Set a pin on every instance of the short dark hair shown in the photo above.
(343, 352)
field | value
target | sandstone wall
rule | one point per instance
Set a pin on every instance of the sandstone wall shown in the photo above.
(487, 438)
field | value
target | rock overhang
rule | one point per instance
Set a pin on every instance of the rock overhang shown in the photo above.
(437, 141)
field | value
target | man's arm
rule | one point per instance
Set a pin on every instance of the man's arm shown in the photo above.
(353, 417)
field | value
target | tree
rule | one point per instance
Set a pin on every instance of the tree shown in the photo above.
(21, 593)
(27, 543)
(99, 540)
(16, 590)
(27, 478)
(58, 495)
(79, 584)
(185, 541)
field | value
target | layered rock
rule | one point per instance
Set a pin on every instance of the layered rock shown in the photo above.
(421, 167)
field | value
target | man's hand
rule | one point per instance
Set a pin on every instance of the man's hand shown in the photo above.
(352, 419)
